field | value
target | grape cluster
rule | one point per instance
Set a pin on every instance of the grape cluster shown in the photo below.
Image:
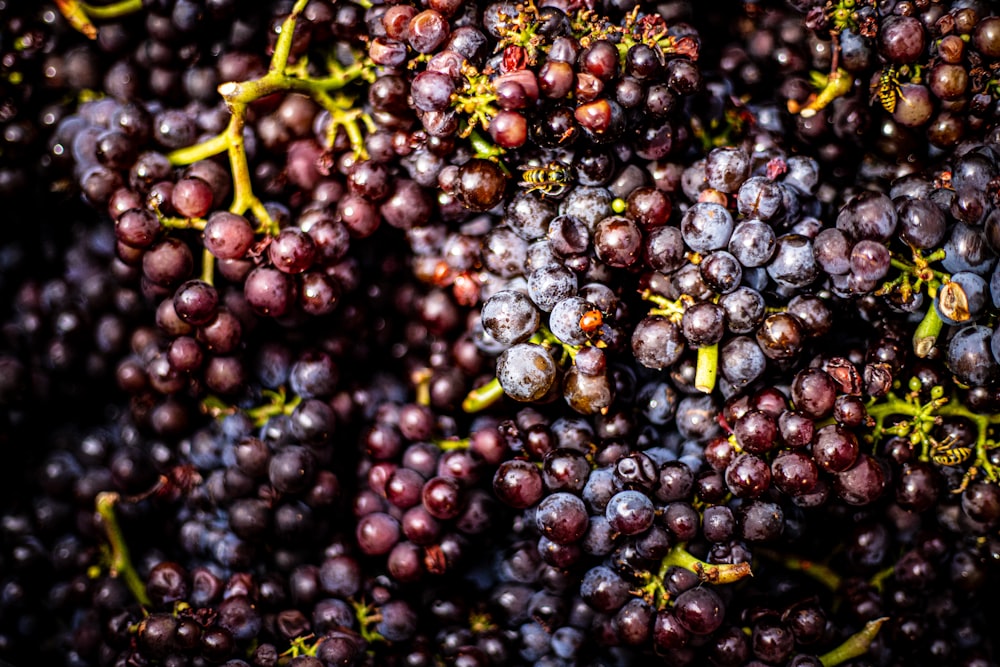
(538, 332)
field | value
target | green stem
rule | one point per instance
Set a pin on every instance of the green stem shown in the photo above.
(200, 151)
(112, 11)
(483, 397)
(487, 150)
(207, 266)
(183, 223)
(725, 573)
(838, 84)
(121, 562)
(707, 368)
(824, 574)
(283, 47)
(278, 404)
(368, 616)
(877, 580)
(927, 332)
(854, 646)
(452, 445)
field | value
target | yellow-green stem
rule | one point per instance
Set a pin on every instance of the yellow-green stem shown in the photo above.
(452, 445)
(726, 573)
(79, 14)
(854, 646)
(927, 332)
(112, 11)
(200, 151)
(282, 48)
(707, 368)
(877, 580)
(818, 571)
(121, 562)
(483, 397)
(207, 266)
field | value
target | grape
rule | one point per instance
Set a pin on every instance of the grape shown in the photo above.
(510, 317)
(604, 590)
(835, 449)
(862, 483)
(721, 271)
(793, 263)
(760, 199)
(966, 250)
(921, 223)
(727, 168)
(699, 610)
(630, 512)
(968, 355)
(869, 215)
(748, 476)
(744, 309)
(657, 342)
(752, 242)
(617, 241)
(741, 361)
(550, 284)
(962, 299)
(562, 517)
(706, 227)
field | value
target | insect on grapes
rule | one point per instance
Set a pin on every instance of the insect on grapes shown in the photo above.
(550, 180)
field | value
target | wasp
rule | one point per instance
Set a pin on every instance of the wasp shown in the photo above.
(946, 453)
(888, 89)
(551, 180)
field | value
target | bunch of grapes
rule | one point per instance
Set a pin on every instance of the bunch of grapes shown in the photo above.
(541, 332)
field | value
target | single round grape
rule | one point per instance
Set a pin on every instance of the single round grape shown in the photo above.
(603, 590)
(744, 309)
(664, 249)
(962, 299)
(700, 610)
(835, 449)
(970, 358)
(510, 317)
(657, 342)
(794, 473)
(814, 393)
(756, 431)
(862, 483)
(617, 241)
(227, 235)
(741, 361)
(550, 284)
(706, 227)
(722, 271)
(901, 39)
(748, 476)
(760, 198)
(752, 243)
(921, 223)
(481, 182)
(869, 260)
(793, 263)
(727, 168)
(630, 512)
(562, 517)
(967, 250)
(526, 372)
(702, 324)
(780, 336)
(761, 521)
(869, 215)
